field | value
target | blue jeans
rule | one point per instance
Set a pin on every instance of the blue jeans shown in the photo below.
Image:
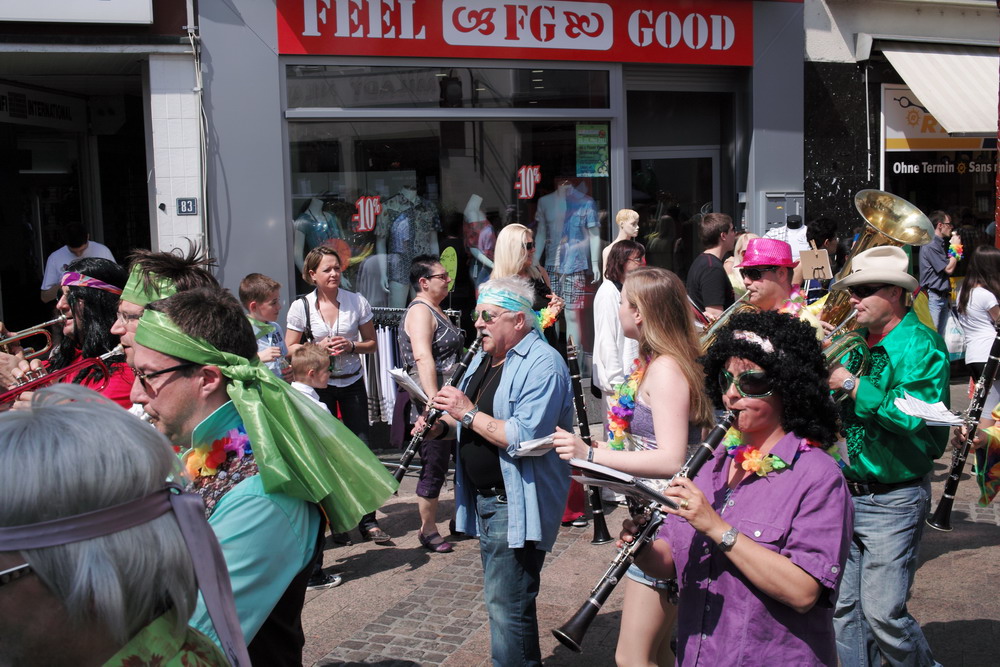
(510, 585)
(939, 305)
(871, 619)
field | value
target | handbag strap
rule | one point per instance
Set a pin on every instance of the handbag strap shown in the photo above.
(307, 335)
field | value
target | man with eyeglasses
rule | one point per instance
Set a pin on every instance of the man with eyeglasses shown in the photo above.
(707, 281)
(261, 455)
(890, 455)
(767, 274)
(517, 389)
(938, 260)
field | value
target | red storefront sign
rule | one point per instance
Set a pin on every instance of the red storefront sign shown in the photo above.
(706, 32)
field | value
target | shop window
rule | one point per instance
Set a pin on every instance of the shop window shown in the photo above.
(362, 87)
(383, 192)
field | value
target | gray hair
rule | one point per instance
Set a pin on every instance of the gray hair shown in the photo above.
(74, 451)
(518, 286)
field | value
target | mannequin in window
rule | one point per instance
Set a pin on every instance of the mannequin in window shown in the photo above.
(568, 233)
(480, 240)
(327, 221)
(406, 228)
(793, 232)
(627, 222)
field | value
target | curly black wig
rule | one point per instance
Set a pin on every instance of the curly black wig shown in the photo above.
(94, 312)
(796, 368)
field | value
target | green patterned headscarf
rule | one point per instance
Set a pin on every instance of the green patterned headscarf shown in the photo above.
(300, 449)
(136, 291)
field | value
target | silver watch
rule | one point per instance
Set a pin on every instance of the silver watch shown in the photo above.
(850, 383)
(469, 416)
(728, 539)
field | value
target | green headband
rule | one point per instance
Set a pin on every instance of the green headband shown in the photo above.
(300, 449)
(136, 292)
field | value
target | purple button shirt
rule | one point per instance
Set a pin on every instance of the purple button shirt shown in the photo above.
(803, 512)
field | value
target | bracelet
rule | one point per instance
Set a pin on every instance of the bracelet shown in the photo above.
(352, 347)
(590, 454)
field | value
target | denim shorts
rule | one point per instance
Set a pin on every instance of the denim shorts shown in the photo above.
(670, 585)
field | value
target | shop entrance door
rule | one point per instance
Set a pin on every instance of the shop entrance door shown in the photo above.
(682, 183)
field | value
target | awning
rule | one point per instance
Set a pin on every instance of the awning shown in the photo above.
(958, 84)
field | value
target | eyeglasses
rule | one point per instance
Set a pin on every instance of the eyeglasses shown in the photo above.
(144, 378)
(864, 291)
(755, 273)
(637, 260)
(14, 573)
(530, 245)
(125, 318)
(749, 384)
(488, 317)
(442, 276)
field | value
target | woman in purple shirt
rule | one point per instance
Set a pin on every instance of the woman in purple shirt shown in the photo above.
(760, 539)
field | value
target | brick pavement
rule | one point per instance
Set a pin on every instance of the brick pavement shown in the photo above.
(401, 605)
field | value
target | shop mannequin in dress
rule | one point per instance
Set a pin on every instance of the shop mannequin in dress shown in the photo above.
(313, 226)
(480, 239)
(407, 227)
(568, 234)
(627, 221)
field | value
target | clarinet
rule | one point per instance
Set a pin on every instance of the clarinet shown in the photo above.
(941, 519)
(601, 534)
(434, 414)
(572, 632)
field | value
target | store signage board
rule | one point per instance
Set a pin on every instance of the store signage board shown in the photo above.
(27, 106)
(706, 32)
(78, 11)
(909, 126)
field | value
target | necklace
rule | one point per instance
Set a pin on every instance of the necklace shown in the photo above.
(623, 406)
(492, 373)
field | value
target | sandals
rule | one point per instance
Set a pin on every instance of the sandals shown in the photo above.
(375, 534)
(434, 542)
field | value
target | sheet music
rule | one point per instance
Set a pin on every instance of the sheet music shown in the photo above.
(536, 447)
(594, 474)
(935, 414)
(407, 384)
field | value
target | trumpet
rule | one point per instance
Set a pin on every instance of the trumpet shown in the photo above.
(741, 305)
(37, 330)
(33, 381)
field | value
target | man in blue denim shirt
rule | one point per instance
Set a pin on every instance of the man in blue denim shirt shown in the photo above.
(517, 389)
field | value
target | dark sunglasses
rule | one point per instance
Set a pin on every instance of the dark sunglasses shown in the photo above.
(756, 272)
(749, 384)
(441, 276)
(488, 317)
(530, 245)
(864, 291)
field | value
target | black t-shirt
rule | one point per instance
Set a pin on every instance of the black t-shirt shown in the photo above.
(480, 457)
(708, 284)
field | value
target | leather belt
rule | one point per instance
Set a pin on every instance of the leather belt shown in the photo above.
(868, 488)
(498, 492)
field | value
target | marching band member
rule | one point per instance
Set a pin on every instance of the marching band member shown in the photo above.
(891, 454)
(767, 268)
(760, 536)
(518, 388)
(651, 441)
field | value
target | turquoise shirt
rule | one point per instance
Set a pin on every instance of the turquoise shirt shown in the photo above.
(533, 397)
(885, 444)
(266, 538)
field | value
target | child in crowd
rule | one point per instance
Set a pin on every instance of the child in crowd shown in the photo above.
(261, 297)
(310, 371)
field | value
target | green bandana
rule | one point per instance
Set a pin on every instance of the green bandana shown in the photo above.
(135, 289)
(300, 449)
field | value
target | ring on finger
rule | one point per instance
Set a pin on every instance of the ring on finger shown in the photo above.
(683, 504)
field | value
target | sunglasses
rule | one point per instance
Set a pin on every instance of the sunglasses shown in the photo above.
(864, 291)
(749, 384)
(488, 317)
(443, 276)
(530, 245)
(755, 273)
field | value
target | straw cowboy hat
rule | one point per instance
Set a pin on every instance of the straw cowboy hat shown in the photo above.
(885, 265)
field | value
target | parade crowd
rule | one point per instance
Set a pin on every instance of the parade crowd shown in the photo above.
(186, 528)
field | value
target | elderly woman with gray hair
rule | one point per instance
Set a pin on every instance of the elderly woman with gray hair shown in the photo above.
(93, 564)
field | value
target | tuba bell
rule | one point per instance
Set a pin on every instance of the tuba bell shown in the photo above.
(742, 305)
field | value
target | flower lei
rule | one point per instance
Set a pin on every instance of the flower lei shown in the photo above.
(623, 407)
(750, 459)
(796, 302)
(546, 317)
(205, 461)
(956, 250)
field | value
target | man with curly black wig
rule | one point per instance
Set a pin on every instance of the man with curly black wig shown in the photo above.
(891, 454)
(761, 534)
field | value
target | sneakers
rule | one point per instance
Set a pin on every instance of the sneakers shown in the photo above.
(580, 522)
(322, 581)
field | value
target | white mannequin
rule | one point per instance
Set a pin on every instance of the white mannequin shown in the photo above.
(558, 213)
(628, 228)
(420, 241)
(474, 217)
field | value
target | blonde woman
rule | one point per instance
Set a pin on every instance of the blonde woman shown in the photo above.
(735, 277)
(651, 443)
(515, 256)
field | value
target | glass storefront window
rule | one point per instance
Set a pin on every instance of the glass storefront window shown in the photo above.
(356, 87)
(384, 191)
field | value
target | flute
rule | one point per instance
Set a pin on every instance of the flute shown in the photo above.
(434, 414)
(572, 632)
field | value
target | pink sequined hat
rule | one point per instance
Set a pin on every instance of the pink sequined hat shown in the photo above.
(767, 252)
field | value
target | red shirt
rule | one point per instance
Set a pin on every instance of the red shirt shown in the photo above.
(118, 386)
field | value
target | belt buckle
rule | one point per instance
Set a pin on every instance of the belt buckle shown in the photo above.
(501, 498)
(858, 488)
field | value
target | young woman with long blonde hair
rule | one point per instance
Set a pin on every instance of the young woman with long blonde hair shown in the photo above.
(656, 414)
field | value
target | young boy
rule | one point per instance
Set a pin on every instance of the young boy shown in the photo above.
(261, 296)
(310, 371)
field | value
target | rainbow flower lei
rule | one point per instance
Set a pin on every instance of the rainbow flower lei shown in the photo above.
(750, 459)
(796, 302)
(546, 317)
(956, 250)
(205, 461)
(623, 406)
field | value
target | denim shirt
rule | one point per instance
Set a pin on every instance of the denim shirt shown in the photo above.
(533, 397)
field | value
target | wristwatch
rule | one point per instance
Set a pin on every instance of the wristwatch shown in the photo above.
(850, 383)
(728, 539)
(469, 416)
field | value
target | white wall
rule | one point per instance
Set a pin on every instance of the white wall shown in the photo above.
(833, 26)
